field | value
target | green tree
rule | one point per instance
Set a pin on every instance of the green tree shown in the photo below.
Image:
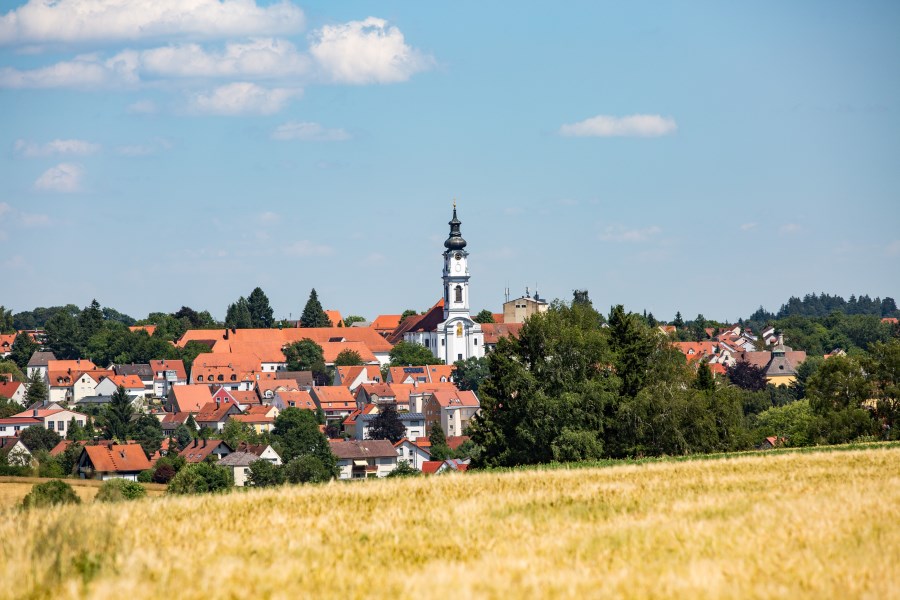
(75, 431)
(298, 434)
(201, 478)
(147, 431)
(308, 469)
(6, 320)
(407, 313)
(234, 433)
(8, 367)
(678, 321)
(37, 438)
(313, 313)
(883, 366)
(485, 316)
(306, 355)
(793, 422)
(238, 315)
(8, 407)
(117, 416)
(704, 380)
(51, 493)
(264, 473)
(439, 448)
(37, 390)
(546, 387)
(836, 395)
(22, 349)
(64, 336)
(411, 354)
(349, 321)
(90, 321)
(348, 358)
(404, 469)
(183, 436)
(261, 315)
(470, 373)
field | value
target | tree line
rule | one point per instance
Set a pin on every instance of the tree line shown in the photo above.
(577, 386)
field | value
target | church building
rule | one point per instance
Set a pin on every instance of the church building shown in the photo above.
(448, 329)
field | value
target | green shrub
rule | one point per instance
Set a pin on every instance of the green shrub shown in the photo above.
(120, 490)
(146, 476)
(306, 469)
(49, 494)
(200, 479)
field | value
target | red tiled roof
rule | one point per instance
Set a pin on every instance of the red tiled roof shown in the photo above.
(301, 399)
(495, 331)
(129, 382)
(148, 328)
(191, 397)
(161, 366)
(117, 458)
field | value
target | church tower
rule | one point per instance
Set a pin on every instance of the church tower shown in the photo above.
(456, 272)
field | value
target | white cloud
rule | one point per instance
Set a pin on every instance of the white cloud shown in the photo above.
(86, 71)
(619, 233)
(310, 132)
(307, 248)
(242, 98)
(54, 148)
(375, 259)
(748, 226)
(268, 217)
(64, 177)
(788, 229)
(79, 21)
(143, 107)
(893, 249)
(4, 208)
(368, 51)
(258, 58)
(630, 126)
(34, 220)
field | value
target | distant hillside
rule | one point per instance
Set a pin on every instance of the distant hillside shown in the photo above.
(824, 304)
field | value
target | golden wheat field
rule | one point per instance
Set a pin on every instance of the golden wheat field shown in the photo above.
(818, 525)
(14, 489)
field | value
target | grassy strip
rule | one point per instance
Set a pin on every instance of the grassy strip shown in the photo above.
(618, 462)
(75, 482)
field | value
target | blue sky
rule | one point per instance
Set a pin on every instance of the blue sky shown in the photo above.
(700, 157)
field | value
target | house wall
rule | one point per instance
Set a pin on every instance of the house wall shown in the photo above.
(60, 421)
(83, 387)
(59, 394)
(128, 476)
(240, 475)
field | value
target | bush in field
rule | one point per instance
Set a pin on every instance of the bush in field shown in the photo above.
(307, 469)
(146, 476)
(120, 490)
(201, 478)
(49, 494)
(404, 469)
(163, 473)
(264, 473)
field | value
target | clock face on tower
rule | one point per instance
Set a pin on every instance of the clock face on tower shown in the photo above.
(457, 267)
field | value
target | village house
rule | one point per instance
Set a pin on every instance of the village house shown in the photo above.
(6, 344)
(14, 390)
(15, 453)
(142, 371)
(85, 383)
(198, 450)
(213, 415)
(166, 374)
(303, 399)
(412, 453)
(189, 398)
(239, 463)
(335, 401)
(414, 423)
(134, 387)
(352, 377)
(435, 467)
(453, 409)
(358, 459)
(38, 364)
(124, 461)
(51, 415)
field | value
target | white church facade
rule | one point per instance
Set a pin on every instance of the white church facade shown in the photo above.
(448, 329)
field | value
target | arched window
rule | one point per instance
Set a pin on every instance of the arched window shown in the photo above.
(221, 377)
(459, 293)
(234, 377)
(199, 377)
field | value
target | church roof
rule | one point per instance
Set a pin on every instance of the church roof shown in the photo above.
(426, 322)
(455, 241)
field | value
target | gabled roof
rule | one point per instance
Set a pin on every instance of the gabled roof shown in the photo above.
(213, 412)
(245, 397)
(426, 322)
(161, 366)
(117, 458)
(190, 397)
(335, 317)
(351, 449)
(70, 366)
(332, 393)
(41, 359)
(9, 388)
(450, 399)
(129, 382)
(494, 331)
(238, 459)
(303, 378)
(301, 399)
(142, 371)
(6, 341)
(366, 335)
(198, 453)
(148, 328)
(386, 323)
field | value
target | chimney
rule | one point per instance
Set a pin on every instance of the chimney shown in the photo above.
(780, 338)
(35, 412)
(196, 442)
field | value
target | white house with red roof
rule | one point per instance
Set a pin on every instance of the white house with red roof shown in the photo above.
(167, 373)
(453, 409)
(14, 390)
(412, 454)
(51, 416)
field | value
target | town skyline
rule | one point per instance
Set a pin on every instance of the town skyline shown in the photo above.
(701, 159)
